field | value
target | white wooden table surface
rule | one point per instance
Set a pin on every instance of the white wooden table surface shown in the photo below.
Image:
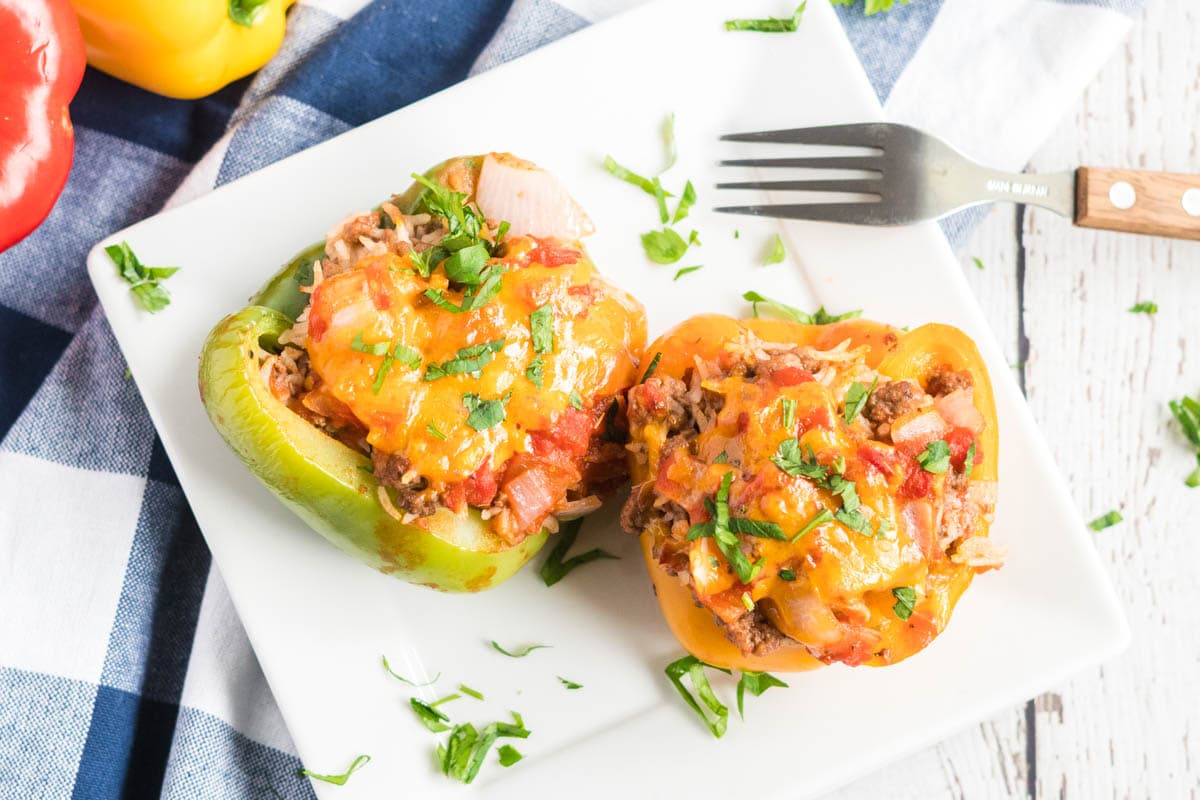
(1098, 379)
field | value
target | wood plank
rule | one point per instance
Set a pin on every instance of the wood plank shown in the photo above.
(1098, 381)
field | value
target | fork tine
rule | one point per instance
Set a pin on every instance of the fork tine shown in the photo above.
(847, 213)
(873, 163)
(869, 186)
(862, 134)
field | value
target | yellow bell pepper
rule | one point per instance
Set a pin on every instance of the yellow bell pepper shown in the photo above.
(181, 48)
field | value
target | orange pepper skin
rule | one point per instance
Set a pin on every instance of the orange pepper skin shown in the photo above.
(895, 354)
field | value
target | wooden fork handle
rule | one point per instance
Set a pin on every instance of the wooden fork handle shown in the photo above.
(1136, 201)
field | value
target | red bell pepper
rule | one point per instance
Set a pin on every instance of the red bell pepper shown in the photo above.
(41, 66)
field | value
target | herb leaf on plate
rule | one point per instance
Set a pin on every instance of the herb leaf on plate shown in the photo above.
(755, 683)
(144, 282)
(768, 24)
(554, 568)
(1106, 520)
(716, 718)
(336, 780)
(403, 679)
(520, 653)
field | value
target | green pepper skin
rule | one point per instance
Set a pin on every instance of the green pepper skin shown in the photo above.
(326, 483)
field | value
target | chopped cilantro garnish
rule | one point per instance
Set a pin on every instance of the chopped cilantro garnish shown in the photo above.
(336, 780)
(724, 530)
(569, 684)
(434, 432)
(541, 329)
(978, 262)
(475, 297)
(722, 458)
(717, 716)
(554, 568)
(686, 271)
(789, 413)
(776, 254)
(403, 679)
(660, 199)
(533, 372)
(467, 265)
(872, 6)
(769, 24)
(651, 369)
(1144, 307)
(686, 201)
(629, 176)
(668, 134)
(484, 413)
(467, 690)
(969, 461)
(463, 223)
(1186, 411)
(520, 653)
(509, 755)
(755, 683)
(143, 281)
(935, 458)
(664, 247)
(906, 600)
(399, 352)
(786, 574)
(820, 518)
(856, 398)
(575, 400)
(374, 348)
(429, 716)
(791, 460)
(1106, 521)
(502, 230)
(778, 309)
(464, 752)
(467, 361)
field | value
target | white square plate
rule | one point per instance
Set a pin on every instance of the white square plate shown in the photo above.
(319, 621)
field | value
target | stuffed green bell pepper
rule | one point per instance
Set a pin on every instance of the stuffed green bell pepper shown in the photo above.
(437, 385)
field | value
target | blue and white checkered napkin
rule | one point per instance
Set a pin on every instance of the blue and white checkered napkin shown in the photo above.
(124, 671)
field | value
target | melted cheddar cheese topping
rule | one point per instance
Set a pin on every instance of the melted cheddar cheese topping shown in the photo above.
(743, 399)
(599, 332)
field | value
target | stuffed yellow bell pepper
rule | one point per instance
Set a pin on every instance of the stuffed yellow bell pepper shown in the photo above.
(434, 388)
(181, 48)
(809, 494)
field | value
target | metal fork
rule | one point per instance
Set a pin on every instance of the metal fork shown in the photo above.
(920, 177)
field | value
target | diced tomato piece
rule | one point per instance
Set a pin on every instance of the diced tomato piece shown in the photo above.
(743, 421)
(816, 418)
(880, 460)
(790, 376)
(455, 498)
(379, 285)
(917, 484)
(960, 440)
(549, 254)
(652, 396)
(318, 319)
(570, 436)
(481, 487)
(533, 490)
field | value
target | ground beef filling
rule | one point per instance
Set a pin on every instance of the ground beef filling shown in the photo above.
(520, 496)
(687, 410)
